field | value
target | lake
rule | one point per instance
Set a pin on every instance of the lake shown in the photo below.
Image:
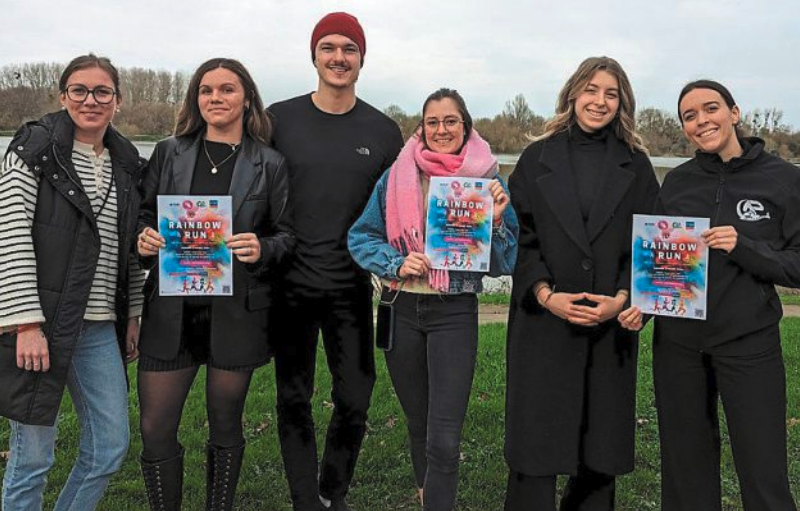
(507, 161)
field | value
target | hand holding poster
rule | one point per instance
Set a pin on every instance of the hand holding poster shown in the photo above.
(458, 232)
(196, 260)
(670, 266)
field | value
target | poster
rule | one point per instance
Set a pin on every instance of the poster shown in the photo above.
(670, 266)
(196, 260)
(458, 232)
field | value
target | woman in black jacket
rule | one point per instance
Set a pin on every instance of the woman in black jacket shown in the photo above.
(753, 201)
(71, 287)
(220, 148)
(571, 367)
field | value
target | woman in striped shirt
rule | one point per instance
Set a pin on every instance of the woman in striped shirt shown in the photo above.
(71, 300)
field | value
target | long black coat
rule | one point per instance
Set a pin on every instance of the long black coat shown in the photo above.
(558, 397)
(259, 190)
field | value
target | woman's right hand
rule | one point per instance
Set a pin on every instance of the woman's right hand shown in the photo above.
(631, 318)
(150, 241)
(32, 351)
(415, 264)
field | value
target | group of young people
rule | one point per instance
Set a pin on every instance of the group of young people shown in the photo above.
(315, 212)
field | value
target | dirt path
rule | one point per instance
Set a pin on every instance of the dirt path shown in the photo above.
(499, 313)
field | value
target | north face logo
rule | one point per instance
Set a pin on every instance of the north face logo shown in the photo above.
(750, 210)
(363, 151)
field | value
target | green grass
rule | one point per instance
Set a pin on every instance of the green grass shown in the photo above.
(790, 299)
(384, 478)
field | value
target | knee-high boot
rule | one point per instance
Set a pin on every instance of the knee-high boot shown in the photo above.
(163, 481)
(222, 476)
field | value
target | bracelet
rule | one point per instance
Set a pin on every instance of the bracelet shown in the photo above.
(552, 292)
(28, 327)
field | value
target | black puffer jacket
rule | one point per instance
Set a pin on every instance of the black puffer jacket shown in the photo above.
(759, 195)
(67, 245)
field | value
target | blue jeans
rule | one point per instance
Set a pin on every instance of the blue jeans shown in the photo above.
(96, 382)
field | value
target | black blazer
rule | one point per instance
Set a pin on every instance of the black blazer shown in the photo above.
(259, 190)
(551, 382)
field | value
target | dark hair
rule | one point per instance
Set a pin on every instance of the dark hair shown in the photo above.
(453, 94)
(706, 84)
(85, 62)
(256, 122)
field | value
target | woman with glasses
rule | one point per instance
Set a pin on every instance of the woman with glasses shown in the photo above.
(753, 200)
(432, 359)
(571, 367)
(71, 299)
(220, 148)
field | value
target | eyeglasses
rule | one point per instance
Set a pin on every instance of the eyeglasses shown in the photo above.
(450, 123)
(102, 94)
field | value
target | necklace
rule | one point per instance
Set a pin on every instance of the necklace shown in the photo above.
(214, 166)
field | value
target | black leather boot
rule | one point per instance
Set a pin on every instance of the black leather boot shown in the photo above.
(163, 481)
(222, 475)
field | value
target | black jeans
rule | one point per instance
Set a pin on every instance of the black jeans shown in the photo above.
(345, 319)
(431, 366)
(752, 387)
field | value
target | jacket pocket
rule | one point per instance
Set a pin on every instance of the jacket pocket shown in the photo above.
(8, 339)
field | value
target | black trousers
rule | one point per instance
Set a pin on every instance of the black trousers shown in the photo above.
(752, 387)
(432, 365)
(586, 491)
(345, 319)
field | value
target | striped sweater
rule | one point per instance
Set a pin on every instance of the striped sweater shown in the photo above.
(19, 300)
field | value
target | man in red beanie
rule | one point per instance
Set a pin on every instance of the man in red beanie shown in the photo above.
(337, 147)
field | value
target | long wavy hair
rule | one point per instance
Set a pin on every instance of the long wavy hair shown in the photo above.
(623, 125)
(256, 122)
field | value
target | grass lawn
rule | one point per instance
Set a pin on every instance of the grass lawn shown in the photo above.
(384, 479)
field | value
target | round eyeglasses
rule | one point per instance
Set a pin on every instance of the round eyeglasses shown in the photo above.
(102, 94)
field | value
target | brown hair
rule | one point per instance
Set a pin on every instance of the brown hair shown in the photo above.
(256, 122)
(624, 125)
(85, 62)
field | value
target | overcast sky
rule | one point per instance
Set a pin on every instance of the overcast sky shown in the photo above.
(490, 50)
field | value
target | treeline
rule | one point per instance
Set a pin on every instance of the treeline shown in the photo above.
(512, 129)
(151, 99)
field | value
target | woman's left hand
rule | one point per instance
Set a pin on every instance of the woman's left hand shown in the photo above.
(132, 340)
(246, 247)
(607, 307)
(500, 200)
(723, 237)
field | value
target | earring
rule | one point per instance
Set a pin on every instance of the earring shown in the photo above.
(118, 110)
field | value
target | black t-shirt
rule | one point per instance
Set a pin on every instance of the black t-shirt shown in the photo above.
(334, 162)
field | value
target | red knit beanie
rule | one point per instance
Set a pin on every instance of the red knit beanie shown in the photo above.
(339, 23)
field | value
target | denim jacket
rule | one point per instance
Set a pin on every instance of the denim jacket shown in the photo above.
(369, 247)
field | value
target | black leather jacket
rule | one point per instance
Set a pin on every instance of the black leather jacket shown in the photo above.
(259, 191)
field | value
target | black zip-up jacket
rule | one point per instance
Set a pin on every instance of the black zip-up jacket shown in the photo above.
(759, 195)
(67, 245)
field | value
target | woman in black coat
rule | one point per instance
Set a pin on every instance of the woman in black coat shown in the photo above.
(220, 148)
(734, 356)
(571, 367)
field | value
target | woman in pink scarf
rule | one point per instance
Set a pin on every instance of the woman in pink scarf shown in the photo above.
(435, 329)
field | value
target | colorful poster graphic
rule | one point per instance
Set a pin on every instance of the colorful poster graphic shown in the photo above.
(458, 233)
(670, 266)
(196, 260)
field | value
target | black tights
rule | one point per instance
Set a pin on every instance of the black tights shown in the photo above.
(162, 395)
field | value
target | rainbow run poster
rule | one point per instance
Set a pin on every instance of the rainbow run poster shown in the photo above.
(458, 232)
(670, 266)
(196, 260)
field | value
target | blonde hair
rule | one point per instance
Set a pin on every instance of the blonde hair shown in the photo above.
(623, 125)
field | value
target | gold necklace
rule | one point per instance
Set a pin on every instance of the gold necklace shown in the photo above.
(214, 166)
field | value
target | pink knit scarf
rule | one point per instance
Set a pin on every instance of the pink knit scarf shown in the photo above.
(404, 208)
